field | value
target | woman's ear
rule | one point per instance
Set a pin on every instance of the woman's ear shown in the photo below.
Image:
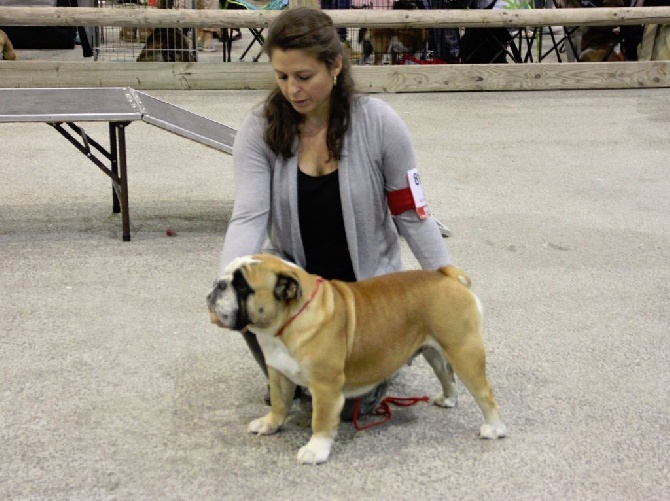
(337, 67)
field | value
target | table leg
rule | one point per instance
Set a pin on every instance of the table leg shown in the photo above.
(114, 165)
(125, 213)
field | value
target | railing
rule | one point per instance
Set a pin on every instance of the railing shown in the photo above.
(59, 16)
(411, 78)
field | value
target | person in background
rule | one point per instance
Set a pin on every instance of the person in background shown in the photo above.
(338, 4)
(446, 41)
(322, 172)
(206, 35)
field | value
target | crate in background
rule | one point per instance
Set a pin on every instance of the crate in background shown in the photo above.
(124, 44)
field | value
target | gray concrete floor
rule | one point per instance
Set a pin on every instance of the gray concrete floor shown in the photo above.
(113, 384)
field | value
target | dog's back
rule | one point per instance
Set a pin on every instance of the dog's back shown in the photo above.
(448, 281)
(409, 307)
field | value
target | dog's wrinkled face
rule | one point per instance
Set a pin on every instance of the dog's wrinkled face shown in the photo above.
(250, 294)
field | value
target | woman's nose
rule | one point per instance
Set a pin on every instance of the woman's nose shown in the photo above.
(293, 86)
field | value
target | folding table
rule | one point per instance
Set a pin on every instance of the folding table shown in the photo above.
(119, 106)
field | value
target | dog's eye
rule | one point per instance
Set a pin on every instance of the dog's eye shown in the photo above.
(240, 284)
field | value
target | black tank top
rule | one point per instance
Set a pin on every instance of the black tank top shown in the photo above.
(322, 227)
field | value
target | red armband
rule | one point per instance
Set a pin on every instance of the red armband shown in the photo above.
(409, 198)
(400, 201)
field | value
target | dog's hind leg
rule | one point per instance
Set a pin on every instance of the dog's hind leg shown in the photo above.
(469, 364)
(449, 395)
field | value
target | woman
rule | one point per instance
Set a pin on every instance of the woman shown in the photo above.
(317, 166)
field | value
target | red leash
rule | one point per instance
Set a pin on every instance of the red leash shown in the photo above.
(384, 409)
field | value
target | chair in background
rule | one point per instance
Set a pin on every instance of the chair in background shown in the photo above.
(561, 42)
(485, 45)
(256, 33)
(500, 45)
(526, 44)
(597, 43)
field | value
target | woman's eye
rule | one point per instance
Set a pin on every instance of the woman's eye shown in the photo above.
(302, 78)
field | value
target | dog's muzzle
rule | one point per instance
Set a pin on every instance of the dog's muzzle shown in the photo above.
(221, 310)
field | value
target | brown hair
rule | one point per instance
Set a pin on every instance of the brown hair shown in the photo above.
(311, 31)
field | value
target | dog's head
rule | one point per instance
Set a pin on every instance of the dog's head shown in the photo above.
(6, 48)
(254, 292)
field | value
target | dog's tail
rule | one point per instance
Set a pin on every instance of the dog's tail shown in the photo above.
(456, 274)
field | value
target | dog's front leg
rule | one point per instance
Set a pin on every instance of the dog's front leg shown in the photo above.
(282, 390)
(327, 403)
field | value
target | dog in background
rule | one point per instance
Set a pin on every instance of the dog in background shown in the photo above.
(393, 43)
(598, 43)
(167, 45)
(132, 34)
(6, 47)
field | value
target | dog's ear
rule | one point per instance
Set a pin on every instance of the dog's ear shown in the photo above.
(287, 287)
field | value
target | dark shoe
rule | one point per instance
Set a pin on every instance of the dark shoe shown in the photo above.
(368, 403)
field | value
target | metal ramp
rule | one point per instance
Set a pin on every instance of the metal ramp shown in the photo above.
(119, 106)
(184, 123)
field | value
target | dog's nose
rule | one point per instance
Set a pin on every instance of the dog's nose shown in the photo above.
(219, 286)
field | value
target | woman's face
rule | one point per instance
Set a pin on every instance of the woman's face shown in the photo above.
(304, 81)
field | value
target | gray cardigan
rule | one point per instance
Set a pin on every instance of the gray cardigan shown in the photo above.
(376, 156)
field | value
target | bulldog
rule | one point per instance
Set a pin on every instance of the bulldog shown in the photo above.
(341, 339)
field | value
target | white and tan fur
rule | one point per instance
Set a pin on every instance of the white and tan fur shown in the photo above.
(341, 339)
(393, 43)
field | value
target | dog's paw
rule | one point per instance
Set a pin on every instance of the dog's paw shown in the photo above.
(263, 426)
(492, 431)
(316, 451)
(446, 402)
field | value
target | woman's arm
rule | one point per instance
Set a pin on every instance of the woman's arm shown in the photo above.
(252, 162)
(398, 159)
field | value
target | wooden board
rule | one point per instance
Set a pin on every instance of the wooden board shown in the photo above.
(410, 78)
